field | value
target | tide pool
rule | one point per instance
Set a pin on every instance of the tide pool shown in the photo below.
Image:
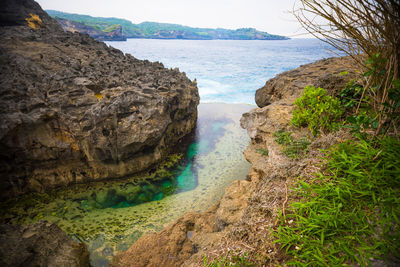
(110, 216)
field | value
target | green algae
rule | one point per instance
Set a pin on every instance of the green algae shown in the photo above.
(110, 216)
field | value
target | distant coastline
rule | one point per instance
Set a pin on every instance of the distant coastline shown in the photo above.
(116, 29)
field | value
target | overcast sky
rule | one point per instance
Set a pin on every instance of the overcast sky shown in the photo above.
(271, 16)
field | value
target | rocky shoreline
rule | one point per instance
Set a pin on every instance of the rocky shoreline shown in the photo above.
(241, 222)
(74, 110)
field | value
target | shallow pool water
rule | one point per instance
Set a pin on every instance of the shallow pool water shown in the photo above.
(110, 216)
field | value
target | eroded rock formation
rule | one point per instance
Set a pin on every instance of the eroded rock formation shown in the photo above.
(74, 110)
(331, 74)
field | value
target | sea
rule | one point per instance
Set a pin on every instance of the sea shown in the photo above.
(228, 71)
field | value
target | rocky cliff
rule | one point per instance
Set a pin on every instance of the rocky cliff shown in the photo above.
(73, 110)
(114, 34)
(243, 219)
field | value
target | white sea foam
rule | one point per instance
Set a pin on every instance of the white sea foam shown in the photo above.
(227, 71)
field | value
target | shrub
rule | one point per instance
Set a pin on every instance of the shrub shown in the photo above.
(350, 95)
(317, 110)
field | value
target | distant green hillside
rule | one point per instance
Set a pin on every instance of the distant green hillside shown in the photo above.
(156, 30)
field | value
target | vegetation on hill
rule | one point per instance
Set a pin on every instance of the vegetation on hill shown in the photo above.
(156, 30)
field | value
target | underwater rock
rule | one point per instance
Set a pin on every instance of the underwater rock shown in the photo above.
(41, 244)
(130, 192)
(73, 110)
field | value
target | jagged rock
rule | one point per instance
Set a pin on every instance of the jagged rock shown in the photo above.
(73, 109)
(41, 244)
(15, 13)
(330, 74)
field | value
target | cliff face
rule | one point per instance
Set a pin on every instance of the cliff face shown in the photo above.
(74, 26)
(74, 110)
(243, 219)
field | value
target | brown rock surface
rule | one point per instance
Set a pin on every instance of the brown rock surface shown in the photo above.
(243, 219)
(41, 244)
(73, 109)
(186, 240)
(325, 73)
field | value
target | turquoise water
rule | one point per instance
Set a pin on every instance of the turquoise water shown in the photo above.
(227, 71)
(109, 216)
(174, 179)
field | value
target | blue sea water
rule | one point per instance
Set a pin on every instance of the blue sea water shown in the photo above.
(228, 71)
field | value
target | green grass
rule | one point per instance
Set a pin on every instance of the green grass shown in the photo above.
(317, 110)
(291, 147)
(351, 212)
(262, 151)
(230, 261)
(111, 28)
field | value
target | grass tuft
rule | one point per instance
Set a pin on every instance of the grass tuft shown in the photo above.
(293, 148)
(350, 213)
(263, 152)
(230, 261)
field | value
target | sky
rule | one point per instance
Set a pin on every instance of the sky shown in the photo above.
(272, 16)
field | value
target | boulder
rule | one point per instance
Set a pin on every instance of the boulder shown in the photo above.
(40, 244)
(73, 109)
